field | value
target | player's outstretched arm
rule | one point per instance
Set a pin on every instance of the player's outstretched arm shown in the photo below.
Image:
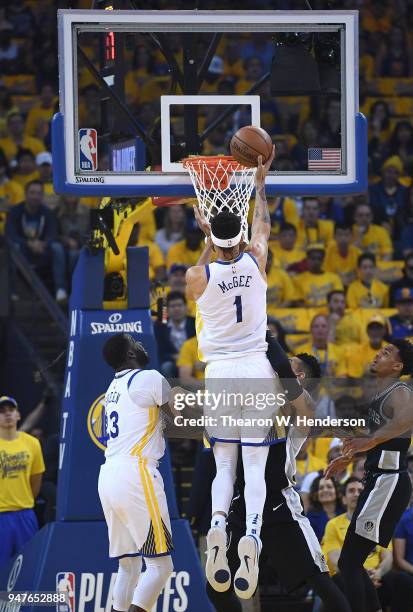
(261, 222)
(205, 257)
(399, 409)
(196, 280)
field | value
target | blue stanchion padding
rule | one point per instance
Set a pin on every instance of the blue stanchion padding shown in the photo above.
(87, 283)
(138, 283)
(76, 554)
(61, 185)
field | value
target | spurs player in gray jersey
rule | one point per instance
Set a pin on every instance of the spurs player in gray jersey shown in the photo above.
(387, 490)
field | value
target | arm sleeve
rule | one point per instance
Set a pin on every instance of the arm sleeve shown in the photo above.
(281, 364)
(38, 463)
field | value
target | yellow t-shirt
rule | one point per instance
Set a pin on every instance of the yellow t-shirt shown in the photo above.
(376, 240)
(289, 213)
(24, 179)
(314, 288)
(147, 223)
(188, 356)
(360, 296)
(319, 447)
(310, 464)
(19, 459)
(286, 258)
(343, 266)
(333, 361)
(333, 539)
(361, 355)
(155, 255)
(179, 253)
(348, 330)
(11, 193)
(235, 70)
(324, 232)
(38, 115)
(280, 290)
(10, 148)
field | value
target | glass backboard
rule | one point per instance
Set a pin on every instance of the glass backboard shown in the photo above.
(141, 90)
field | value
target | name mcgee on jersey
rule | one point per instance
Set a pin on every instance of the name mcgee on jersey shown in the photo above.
(237, 281)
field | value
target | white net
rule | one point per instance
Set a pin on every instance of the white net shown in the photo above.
(221, 183)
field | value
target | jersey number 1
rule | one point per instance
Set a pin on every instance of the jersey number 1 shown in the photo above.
(238, 306)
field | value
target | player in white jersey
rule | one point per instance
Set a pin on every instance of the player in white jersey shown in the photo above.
(130, 486)
(230, 296)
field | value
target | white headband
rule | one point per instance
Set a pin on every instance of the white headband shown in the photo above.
(226, 243)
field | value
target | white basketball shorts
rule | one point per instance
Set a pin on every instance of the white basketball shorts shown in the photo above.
(242, 397)
(133, 499)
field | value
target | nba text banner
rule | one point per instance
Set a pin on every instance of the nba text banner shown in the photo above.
(73, 557)
(82, 436)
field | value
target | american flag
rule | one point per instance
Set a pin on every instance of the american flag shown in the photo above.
(324, 159)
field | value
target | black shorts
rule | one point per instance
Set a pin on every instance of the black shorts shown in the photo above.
(290, 545)
(380, 506)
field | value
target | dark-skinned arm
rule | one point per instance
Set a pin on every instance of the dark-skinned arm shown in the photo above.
(399, 403)
(399, 409)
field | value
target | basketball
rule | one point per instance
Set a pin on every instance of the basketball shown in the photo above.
(250, 142)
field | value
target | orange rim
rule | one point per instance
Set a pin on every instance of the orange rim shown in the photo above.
(211, 161)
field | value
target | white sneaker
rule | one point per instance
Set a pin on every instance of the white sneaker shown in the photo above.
(246, 578)
(61, 295)
(217, 570)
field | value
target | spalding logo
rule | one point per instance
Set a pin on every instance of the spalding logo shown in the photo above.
(115, 317)
(96, 425)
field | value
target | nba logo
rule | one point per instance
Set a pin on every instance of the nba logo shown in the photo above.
(88, 149)
(65, 583)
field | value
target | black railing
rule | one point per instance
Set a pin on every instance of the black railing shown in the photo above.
(39, 289)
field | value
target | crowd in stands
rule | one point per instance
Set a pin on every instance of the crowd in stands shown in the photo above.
(340, 269)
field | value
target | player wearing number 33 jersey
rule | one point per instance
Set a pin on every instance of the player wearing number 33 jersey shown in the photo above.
(130, 486)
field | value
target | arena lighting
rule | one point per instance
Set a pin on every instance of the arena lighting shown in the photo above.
(294, 70)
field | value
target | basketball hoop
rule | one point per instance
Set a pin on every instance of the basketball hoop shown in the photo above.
(221, 183)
